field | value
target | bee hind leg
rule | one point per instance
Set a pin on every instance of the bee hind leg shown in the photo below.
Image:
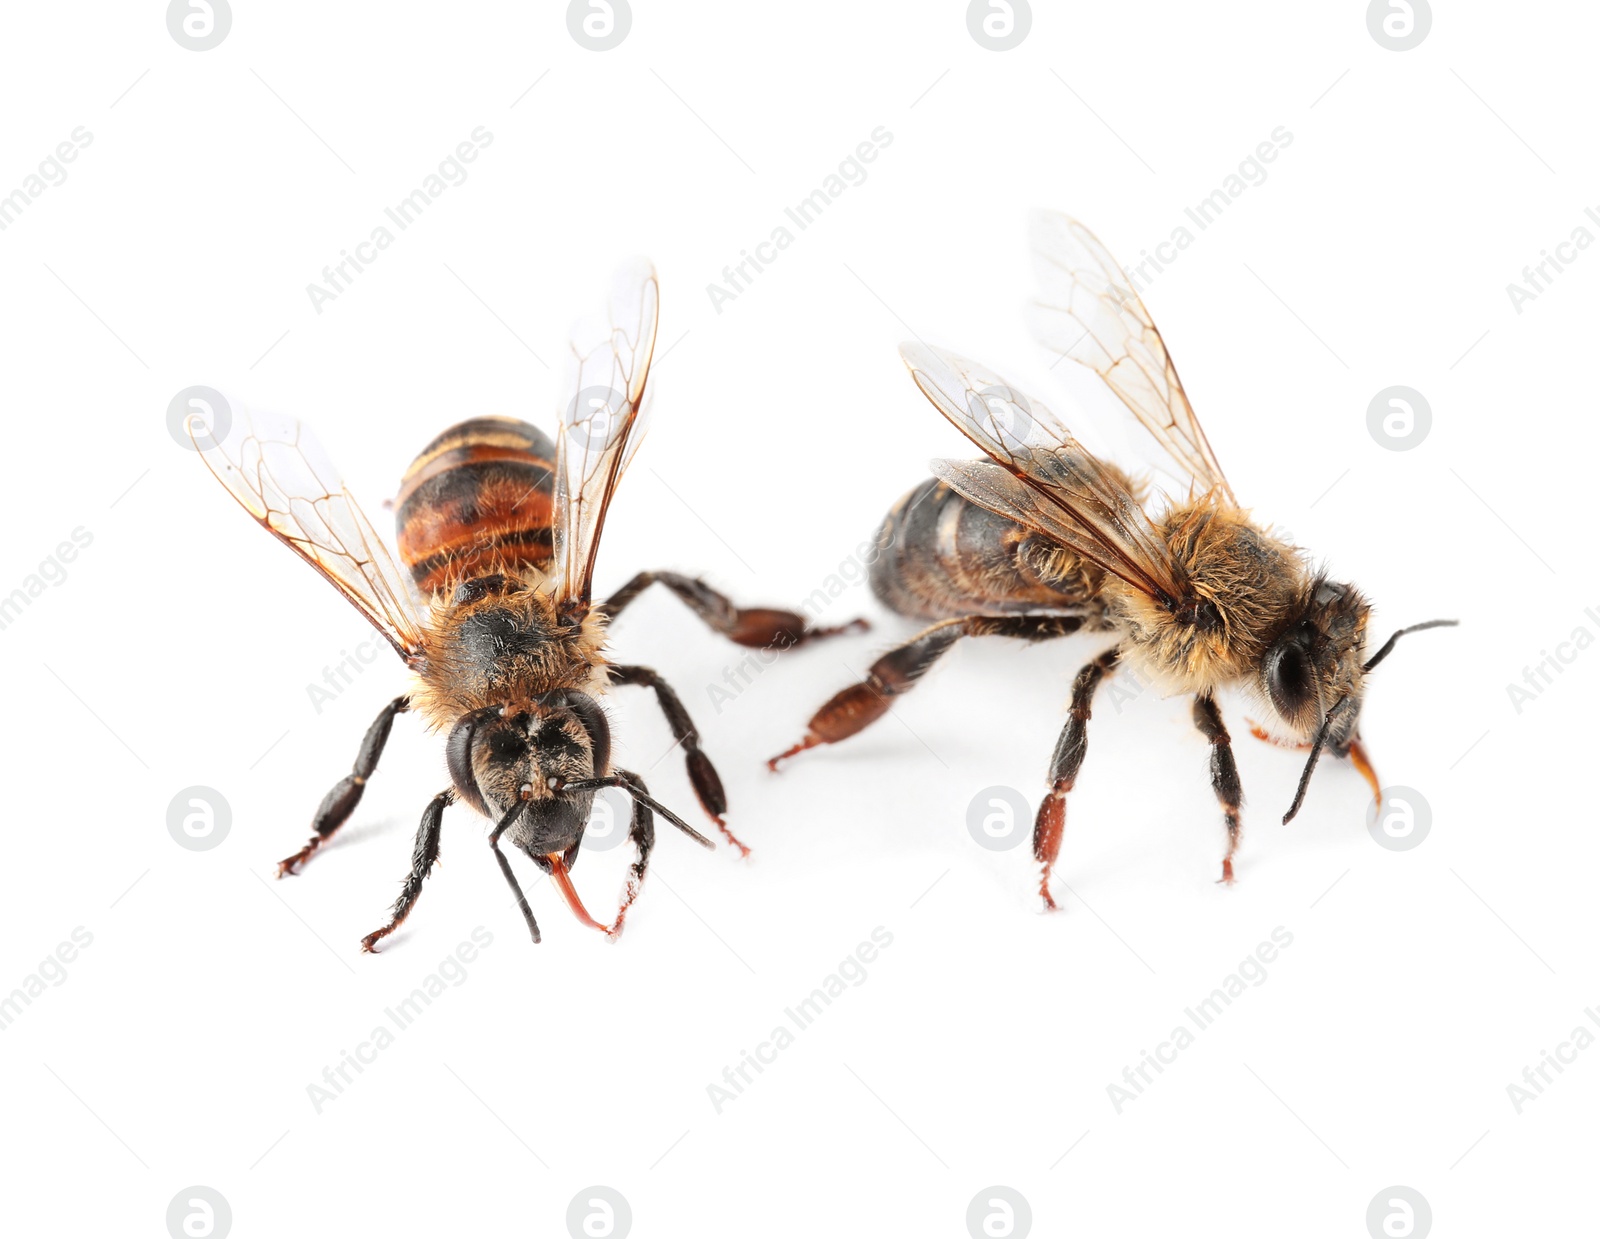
(894, 674)
(642, 834)
(1050, 824)
(702, 774)
(758, 627)
(341, 802)
(424, 855)
(1224, 773)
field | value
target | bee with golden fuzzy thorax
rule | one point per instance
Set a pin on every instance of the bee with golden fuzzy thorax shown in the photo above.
(499, 529)
(1043, 540)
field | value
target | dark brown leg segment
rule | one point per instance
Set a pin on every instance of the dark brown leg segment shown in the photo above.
(1051, 823)
(852, 709)
(760, 627)
(423, 856)
(642, 834)
(702, 774)
(1224, 773)
(340, 803)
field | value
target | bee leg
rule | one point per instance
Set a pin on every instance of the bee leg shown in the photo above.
(1266, 737)
(1071, 745)
(850, 710)
(1356, 752)
(340, 803)
(1224, 773)
(702, 774)
(423, 857)
(642, 834)
(759, 627)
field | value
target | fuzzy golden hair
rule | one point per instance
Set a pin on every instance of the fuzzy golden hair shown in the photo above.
(1251, 580)
(456, 678)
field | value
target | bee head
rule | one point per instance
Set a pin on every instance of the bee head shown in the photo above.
(1338, 719)
(1315, 663)
(527, 752)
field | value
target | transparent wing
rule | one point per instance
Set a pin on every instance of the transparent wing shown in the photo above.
(602, 421)
(277, 471)
(1088, 310)
(993, 487)
(1052, 484)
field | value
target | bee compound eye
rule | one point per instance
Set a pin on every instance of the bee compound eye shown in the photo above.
(458, 757)
(1290, 678)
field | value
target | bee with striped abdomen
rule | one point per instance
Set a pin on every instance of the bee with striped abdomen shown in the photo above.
(498, 528)
(1043, 540)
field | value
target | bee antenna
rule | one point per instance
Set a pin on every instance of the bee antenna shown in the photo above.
(644, 798)
(1388, 645)
(1327, 721)
(1316, 752)
(510, 816)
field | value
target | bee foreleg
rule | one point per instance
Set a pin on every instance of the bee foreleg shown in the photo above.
(760, 627)
(1224, 773)
(897, 672)
(1051, 823)
(642, 834)
(423, 856)
(341, 802)
(702, 774)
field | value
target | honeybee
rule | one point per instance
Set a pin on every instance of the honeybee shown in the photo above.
(1043, 540)
(498, 529)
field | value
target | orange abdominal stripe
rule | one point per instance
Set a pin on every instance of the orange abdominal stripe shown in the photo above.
(558, 871)
(479, 498)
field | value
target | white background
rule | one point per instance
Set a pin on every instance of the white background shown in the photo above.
(979, 1049)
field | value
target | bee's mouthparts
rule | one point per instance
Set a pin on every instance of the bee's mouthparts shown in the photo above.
(563, 881)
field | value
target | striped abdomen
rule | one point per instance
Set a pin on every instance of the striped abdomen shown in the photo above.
(941, 556)
(478, 499)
